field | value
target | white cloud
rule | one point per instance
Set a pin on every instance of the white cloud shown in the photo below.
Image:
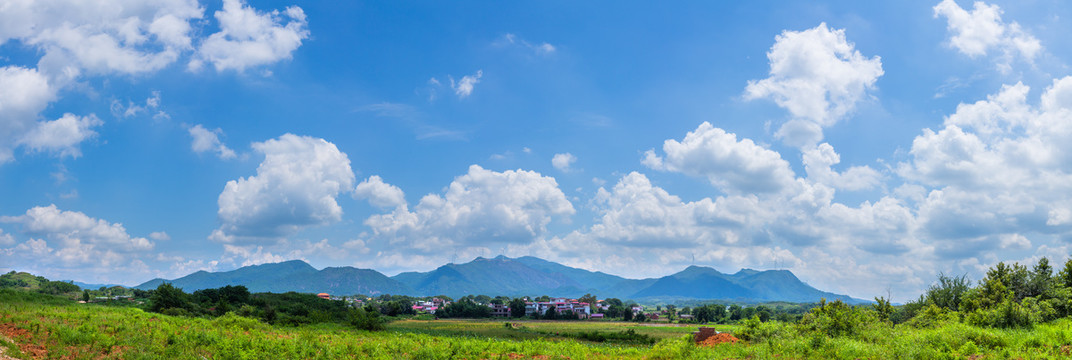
(206, 140)
(23, 94)
(637, 213)
(975, 33)
(70, 244)
(379, 193)
(252, 255)
(562, 162)
(72, 228)
(999, 167)
(6, 239)
(733, 166)
(817, 163)
(818, 76)
(152, 103)
(61, 136)
(159, 236)
(295, 187)
(103, 36)
(249, 38)
(464, 87)
(480, 207)
(538, 49)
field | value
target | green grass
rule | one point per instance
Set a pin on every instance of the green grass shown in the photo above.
(87, 331)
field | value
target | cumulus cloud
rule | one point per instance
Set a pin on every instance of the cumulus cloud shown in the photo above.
(6, 239)
(71, 244)
(61, 136)
(818, 76)
(379, 193)
(731, 165)
(23, 94)
(562, 162)
(75, 39)
(818, 162)
(205, 140)
(464, 87)
(249, 37)
(981, 30)
(160, 236)
(1004, 134)
(295, 187)
(480, 207)
(111, 36)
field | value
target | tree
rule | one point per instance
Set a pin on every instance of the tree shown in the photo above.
(640, 317)
(671, 312)
(882, 307)
(1041, 283)
(588, 298)
(517, 308)
(168, 297)
(1015, 278)
(628, 314)
(736, 312)
(551, 313)
(365, 320)
(948, 292)
(1065, 276)
(85, 295)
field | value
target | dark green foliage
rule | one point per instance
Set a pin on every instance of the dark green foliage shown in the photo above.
(882, 308)
(517, 307)
(551, 313)
(365, 320)
(464, 308)
(948, 292)
(627, 336)
(627, 314)
(836, 319)
(167, 297)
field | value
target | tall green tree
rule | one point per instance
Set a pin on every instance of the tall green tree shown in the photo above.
(167, 296)
(517, 307)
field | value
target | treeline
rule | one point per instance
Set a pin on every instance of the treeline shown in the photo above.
(1008, 296)
(289, 308)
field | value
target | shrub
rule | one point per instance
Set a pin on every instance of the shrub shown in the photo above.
(365, 320)
(836, 319)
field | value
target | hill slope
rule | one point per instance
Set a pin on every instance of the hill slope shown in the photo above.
(294, 275)
(525, 276)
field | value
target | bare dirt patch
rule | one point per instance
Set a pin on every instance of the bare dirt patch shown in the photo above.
(720, 338)
(24, 340)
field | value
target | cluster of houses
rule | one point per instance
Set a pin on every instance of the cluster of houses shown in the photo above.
(582, 310)
(430, 306)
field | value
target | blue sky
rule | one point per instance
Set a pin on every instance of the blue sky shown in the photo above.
(865, 146)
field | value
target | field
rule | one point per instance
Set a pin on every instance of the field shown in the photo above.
(40, 327)
(543, 329)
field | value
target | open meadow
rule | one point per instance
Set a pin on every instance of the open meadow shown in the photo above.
(36, 326)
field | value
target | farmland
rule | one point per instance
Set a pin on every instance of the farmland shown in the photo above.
(42, 326)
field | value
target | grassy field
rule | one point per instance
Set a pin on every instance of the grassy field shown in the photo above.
(542, 329)
(39, 327)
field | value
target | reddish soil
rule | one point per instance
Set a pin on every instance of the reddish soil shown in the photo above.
(24, 340)
(721, 338)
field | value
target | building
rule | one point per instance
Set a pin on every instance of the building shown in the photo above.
(499, 310)
(581, 309)
(324, 296)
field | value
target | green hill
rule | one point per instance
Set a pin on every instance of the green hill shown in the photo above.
(294, 275)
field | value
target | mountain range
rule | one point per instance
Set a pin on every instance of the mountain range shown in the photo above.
(524, 276)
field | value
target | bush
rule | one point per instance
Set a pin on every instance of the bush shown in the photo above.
(365, 320)
(836, 319)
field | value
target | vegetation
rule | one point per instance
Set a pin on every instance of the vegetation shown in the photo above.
(1013, 312)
